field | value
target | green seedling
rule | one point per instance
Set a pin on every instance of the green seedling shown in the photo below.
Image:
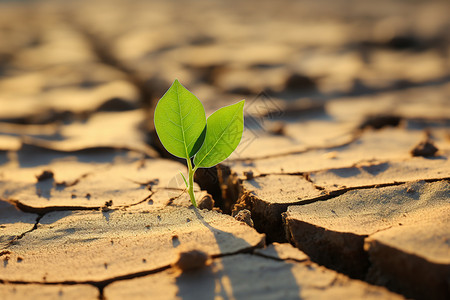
(184, 131)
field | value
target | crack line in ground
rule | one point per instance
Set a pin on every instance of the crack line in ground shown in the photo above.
(358, 164)
(333, 194)
(15, 239)
(44, 210)
(101, 48)
(307, 149)
(64, 184)
(356, 134)
(101, 284)
(379, 230)
(281, 259)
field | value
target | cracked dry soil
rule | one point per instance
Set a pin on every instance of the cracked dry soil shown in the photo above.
(340, 187)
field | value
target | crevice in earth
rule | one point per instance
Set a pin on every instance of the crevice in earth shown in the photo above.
(101, 285)
(400, 85)
(380, 230)
(215, 181)
(43, 210)
(64, 184)
(374, 122)
(230, 185)
(308, 178)
(101, 48)
(339, 251)
(223, 187)
(306, 260)
(14, 240)
(423, 279)
(355, 137)
(365, 163)
(343, 190)
(125, 206)
(268, 217)
(208, 179)
(345, 253)
(146, 89)
(101, 294)
(105, 207)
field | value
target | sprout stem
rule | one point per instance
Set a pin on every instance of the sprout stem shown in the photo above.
(191, 182)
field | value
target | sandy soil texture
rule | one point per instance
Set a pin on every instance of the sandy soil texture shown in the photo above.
(339, 189)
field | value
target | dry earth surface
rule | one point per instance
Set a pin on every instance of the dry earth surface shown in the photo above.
(340, 187)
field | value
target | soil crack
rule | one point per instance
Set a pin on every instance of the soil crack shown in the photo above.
(14, 240)
(354, 138)
(267, 216)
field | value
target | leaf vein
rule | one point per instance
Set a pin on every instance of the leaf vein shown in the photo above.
(186, 115)
(170, 120)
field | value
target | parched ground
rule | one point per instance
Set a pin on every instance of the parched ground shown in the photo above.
(340, 188)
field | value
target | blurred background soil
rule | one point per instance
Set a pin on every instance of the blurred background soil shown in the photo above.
(62, 61)
(343, 97)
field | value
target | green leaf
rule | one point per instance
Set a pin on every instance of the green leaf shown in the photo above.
(225, 127)
(180, 121)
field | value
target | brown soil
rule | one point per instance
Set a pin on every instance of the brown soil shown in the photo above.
(340, 187)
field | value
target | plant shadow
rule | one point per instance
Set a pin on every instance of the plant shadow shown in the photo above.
(229, 278)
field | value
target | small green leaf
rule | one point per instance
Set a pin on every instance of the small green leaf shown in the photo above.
(180, 121)
(224, 132)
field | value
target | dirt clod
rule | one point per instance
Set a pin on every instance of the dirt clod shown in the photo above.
(191, 260)
(46, 174)
(425, 149)
(245, 216)
(248, 175)
(206, 202)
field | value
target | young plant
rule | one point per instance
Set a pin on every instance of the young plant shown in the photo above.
(184, 131)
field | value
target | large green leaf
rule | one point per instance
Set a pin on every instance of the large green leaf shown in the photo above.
(223, 134)
(180, 121)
